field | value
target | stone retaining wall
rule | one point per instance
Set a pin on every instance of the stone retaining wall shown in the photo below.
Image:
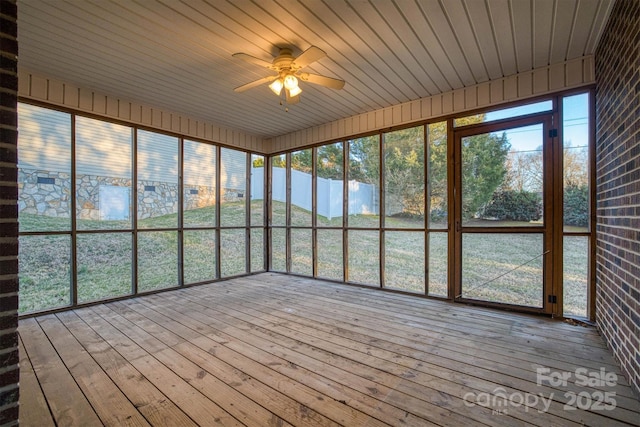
(44, 199)
(48, 193)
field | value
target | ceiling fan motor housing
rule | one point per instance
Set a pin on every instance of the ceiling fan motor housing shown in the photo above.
(283, 63)
(287, 68)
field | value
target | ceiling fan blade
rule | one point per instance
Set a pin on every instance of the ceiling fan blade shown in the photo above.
(253, 84)
(308, 56)
(253, 59)
(292, 99)
(322, 80)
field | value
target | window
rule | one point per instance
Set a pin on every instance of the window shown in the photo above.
(44, 208)
(103, 194)
(576, 205)
(257, 210)
(129, 216)
(108, 210)
(233, 212)
(44, 169)
(505, 113)
(382, 208)
(157, 242)
(404, 172)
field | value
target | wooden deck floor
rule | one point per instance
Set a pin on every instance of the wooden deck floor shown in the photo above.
(276, 350)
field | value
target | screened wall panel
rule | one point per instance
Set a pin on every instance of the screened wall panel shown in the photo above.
(232, 252)
(257, 249)
(157, 260)
(404, 261)
(364, 257)
(44, 169)
(363, 170)
(258, 196)
(575, 275)
(575, 163)
(157, 184)
(301, 251)
(330, 263)
(301, 188)
(138, 225)
(199, 188)
(103, 175)
(199, 255)
(438, 259)
(329, 185)
(404, 172)
(233, 185)
(278, 249)
(44, 272)
(577, 205)
(44, 138)
(278, 190)
(105, 263)
(44, 206)
(437, 170)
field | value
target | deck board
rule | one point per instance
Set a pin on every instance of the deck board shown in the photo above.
(31, 395)
(67, 402)
(441, 335)
(151, 403)
(280, 350)
(110, 404)
(466, 363)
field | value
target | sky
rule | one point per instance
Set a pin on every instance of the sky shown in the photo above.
(575, 123)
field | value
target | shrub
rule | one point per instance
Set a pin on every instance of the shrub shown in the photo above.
(514, 206)
(576, 205)
(438, 215)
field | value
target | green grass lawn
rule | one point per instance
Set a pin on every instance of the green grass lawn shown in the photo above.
(104, 260)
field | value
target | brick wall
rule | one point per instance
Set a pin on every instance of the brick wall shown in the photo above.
(618, 186)
(9, 370)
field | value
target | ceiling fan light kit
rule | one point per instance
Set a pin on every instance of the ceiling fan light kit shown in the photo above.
(290, 82)
(294, 91)
(276, 86)
(288, 75)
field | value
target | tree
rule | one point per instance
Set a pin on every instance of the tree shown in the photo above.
(576, 185)
(258, 162)
(364, 159)
(437, 170)
(575, 165)
(404, 171)
(438, 163)
(279, 161)
(301, 160)
(483, 170)
(330, 161)
(524, 171)
(404, 157)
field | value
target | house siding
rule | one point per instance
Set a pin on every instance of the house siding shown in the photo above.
(9, 369)
(66, 95)
(103, 152)
(618, 186)
(571, 74)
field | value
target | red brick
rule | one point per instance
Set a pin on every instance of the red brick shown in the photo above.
(618, 188)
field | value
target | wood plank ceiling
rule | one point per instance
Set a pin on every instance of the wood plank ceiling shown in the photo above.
(177, 55)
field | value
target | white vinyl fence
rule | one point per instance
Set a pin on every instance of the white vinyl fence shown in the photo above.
(362, 197)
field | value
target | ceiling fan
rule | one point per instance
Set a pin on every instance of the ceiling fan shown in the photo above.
(287, 68)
